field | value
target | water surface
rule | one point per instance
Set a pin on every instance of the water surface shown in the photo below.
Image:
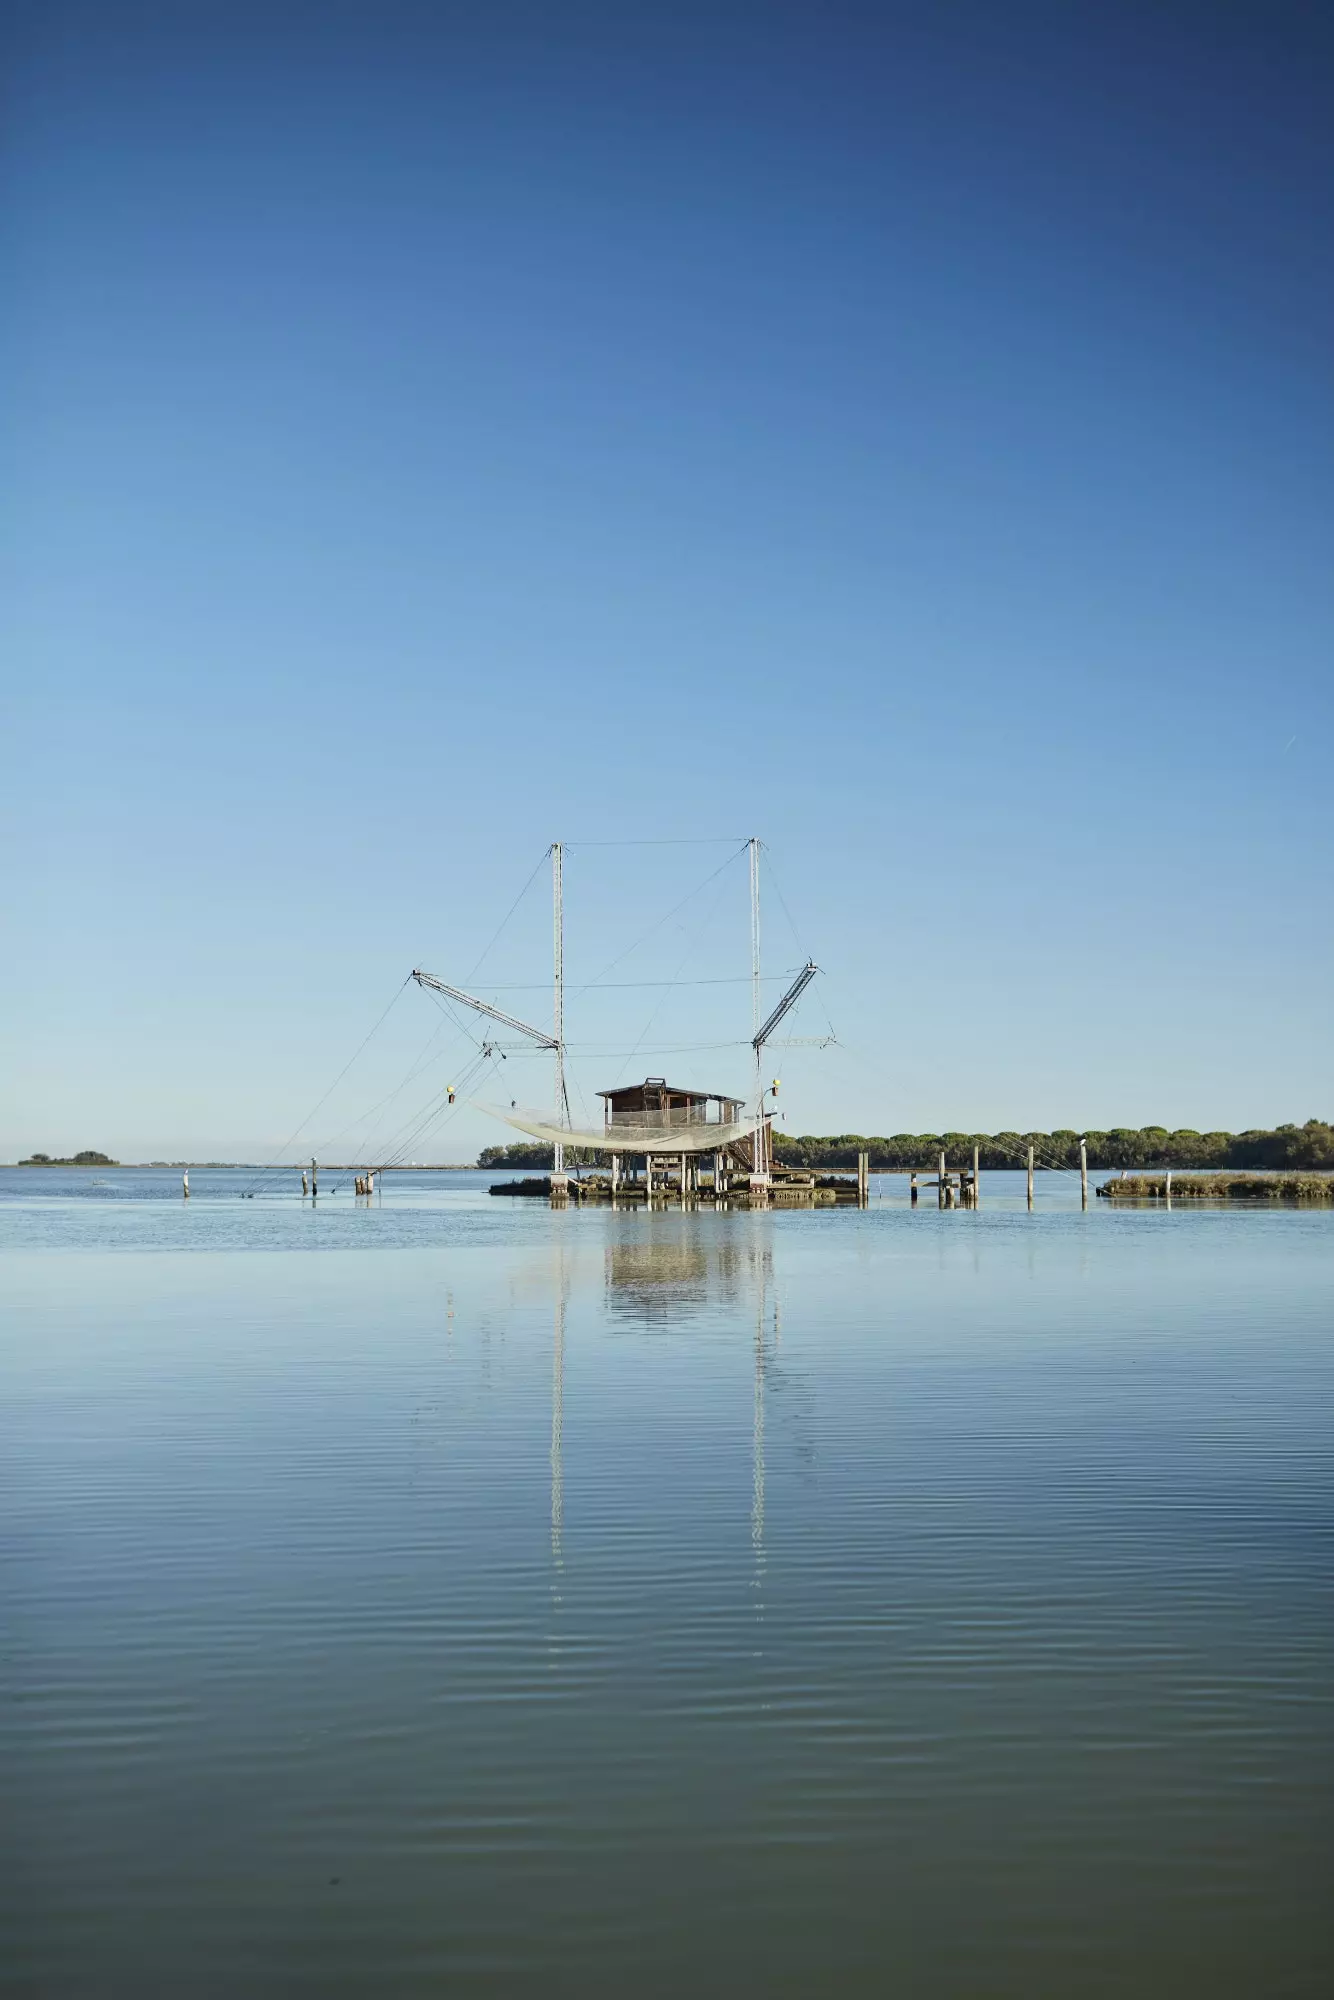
(493, 1600)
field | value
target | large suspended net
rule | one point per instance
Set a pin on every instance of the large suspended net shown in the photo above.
(651, 1132)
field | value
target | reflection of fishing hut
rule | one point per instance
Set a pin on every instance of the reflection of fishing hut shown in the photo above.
(668, 1277)
(663, 1137)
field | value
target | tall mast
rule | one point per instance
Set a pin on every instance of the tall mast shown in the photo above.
(558, 929)
(754, 846)
(757, 1155)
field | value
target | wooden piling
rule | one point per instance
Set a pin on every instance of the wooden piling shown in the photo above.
(942, 1186)
(975, 1182)
(863, 1178)
(1083, 1174)
(912, 1192)
(1030, 1177)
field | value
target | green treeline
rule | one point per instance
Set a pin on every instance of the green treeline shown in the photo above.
(534, 1154)
(1309, 1145)
(88, 1159)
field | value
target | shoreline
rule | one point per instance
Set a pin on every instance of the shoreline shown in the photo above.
(230, 1167)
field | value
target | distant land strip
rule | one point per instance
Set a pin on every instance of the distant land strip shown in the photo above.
(249, 1166)
(1282, 1148)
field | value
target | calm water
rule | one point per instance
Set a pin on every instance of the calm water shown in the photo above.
(497, 1601)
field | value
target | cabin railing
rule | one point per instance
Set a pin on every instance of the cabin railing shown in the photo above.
(663, 1121)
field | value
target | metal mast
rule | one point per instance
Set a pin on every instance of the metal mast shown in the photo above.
(558, 928)
(754, 846)
(757, 1154)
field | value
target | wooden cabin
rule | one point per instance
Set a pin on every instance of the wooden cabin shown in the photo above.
(658, 1105)
(673, 1131)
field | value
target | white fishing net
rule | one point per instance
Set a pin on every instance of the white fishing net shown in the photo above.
(651, 1132)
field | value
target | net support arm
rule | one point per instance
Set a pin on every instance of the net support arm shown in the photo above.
(538, 1035)
(786, 1004)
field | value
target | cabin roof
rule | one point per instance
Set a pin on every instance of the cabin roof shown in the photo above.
(685, 1090)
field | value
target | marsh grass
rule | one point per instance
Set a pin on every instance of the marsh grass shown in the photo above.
(1222, 1187)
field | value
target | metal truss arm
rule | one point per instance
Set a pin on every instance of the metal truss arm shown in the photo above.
(538, 1035)
(786, 1004)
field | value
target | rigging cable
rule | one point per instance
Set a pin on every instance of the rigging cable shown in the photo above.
(691, 945)
(422, 1122)
(505, 919)
(655, 927)
(421, 1063)
(291, 1139)
(766, 858)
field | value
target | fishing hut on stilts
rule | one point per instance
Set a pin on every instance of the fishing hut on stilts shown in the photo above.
(663, 1140)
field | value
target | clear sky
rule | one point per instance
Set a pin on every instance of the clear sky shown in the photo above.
(901, 433)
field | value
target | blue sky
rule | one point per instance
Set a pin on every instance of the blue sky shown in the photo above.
(901, 434)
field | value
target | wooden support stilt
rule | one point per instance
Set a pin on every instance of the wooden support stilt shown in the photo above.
(1083, 1174)
(863, 1178)
(1030, 1177)
(975, 1178)
(913, 1191)
(942, 1186)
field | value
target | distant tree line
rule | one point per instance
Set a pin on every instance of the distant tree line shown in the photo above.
(1308, 1145)
(535, 1154)
(78, 1160)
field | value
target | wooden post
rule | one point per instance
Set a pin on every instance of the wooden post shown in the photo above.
(975, 1152)
(648, 1176)
(1083, 1174)
(863, 1178)
(913, 1191)
(717, 1175)
(314, 1180)
(1030, 1177)
(941, 1184)
(683, 1176)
